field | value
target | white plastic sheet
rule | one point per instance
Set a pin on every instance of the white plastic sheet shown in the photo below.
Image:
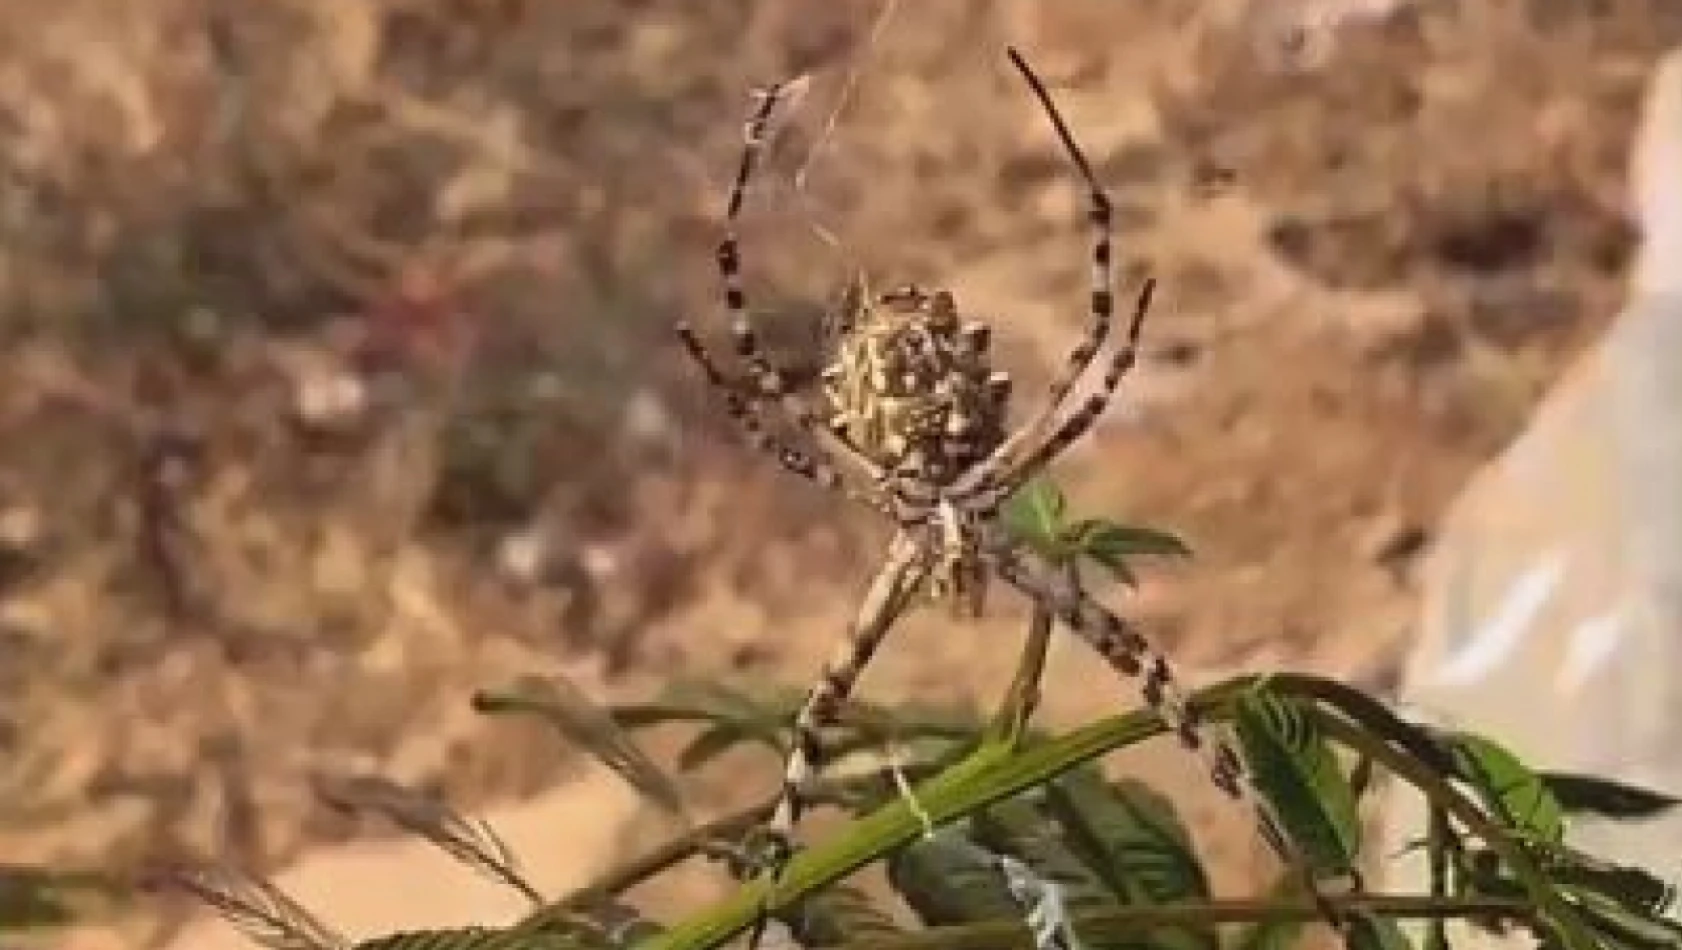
(1552, 619)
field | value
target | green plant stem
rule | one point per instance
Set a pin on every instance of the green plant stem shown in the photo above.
(693, 842)
(1010, 724)
(868, 718)
(675, 851)
(1437, 856)
(1097, 925)
(992, 774)
(989, 775)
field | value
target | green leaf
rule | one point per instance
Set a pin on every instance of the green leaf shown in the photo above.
(952, 720)
(705, 701)
(1623, 906)
(1634, 888)
(1019, 829)
(1512, 793)
(710, 744)
(1294, 767)
(1371, 932)
(723, 701)
(598, 921)
(1035, 515)
(1132, 835)
(1619, 926)
(945, 879)
(472, 842)
(1135, 840)
(1604, 797)
(1118, 568)
(35, 897)
(578, 718)
(256, 908)
(591, 917)
(842, 914)
(1371, 715)
(1114, 545)
(1105, 540)
(1277, 934)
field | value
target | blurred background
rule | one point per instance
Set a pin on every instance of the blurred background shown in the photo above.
(337, 379)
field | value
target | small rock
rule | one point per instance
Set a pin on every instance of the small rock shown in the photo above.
(1393, 542)
(330, 401)
(524, 554)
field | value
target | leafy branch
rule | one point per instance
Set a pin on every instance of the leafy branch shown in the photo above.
(982, 812)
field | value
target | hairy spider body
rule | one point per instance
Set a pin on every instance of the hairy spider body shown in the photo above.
(911, 387)
(912, 423)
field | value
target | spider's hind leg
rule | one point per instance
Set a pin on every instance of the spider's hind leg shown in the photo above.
(1131, 654)
(890, 592)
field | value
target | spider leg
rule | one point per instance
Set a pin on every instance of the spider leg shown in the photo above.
(814, 466)
(886, 600)
(729, 258)
(991, 493)
(1131, 654)
(767, 380)
(1100, 214)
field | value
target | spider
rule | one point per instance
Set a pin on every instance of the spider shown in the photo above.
(912, 423)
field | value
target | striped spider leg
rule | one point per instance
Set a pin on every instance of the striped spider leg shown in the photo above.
(764, 381)
(1003, 471)
(982, 489)
(904, 570)
(1101, 215)
(1130, 653)
(741, 402)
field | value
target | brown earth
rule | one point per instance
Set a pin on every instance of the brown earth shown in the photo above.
(225, 566)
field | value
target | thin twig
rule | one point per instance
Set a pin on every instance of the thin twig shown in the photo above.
(1095, 925)
(869, 719)
(691, 843)
(1010, 725)
(700, 840)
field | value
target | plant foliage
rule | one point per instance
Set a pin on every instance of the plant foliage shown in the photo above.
(993, 835)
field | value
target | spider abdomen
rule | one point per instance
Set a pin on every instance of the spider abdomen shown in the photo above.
(911, 387)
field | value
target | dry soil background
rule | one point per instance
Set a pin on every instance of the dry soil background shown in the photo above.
(337, 378)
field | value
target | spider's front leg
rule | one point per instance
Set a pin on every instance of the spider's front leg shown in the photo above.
(742, 401)
(1007, 456)
(890, 592)
(766, 383)
(1004, 474)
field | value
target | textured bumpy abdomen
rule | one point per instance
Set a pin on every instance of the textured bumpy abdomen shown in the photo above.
(911, 388)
